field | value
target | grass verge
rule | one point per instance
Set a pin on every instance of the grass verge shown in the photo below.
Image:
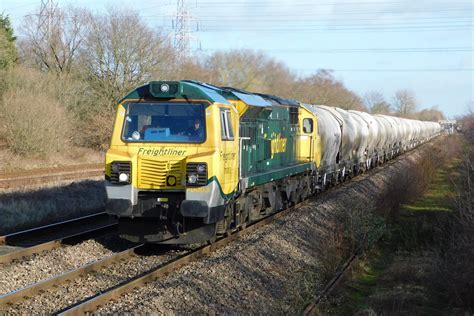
(424, 263)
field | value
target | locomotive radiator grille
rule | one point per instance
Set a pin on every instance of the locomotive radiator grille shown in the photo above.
(156, 174)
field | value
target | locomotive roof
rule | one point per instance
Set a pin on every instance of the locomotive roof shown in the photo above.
(193, 89)
(279, 100)
(185, 89)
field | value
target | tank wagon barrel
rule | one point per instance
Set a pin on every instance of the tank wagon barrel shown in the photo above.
(189, 161)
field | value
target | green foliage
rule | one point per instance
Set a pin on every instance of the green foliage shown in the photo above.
(8, 53)
(6, 26)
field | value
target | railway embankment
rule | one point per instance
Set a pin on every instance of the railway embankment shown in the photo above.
(29, 208)
(424, 263)
(281, 267)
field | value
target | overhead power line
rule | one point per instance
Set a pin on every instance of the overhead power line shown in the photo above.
(378, 12)
(265, 19)
(367, 50)
(345, 29)
(395, 70)
(296, 3)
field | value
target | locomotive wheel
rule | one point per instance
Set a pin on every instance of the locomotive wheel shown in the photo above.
(212, 240)
(244, 220)
(224, 226)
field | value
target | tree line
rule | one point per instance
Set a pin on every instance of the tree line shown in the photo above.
(76, 64)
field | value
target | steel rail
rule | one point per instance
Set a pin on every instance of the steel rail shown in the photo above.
(4, 239)
(90, 305)
(310, 309)
(31, 290)
(53, 244)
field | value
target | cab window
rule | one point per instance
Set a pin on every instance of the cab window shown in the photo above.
(164, 122)
(307, 125)
(227, 132)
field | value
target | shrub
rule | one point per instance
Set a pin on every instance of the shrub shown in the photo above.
(35, 123)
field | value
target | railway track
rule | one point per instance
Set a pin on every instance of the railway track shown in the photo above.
(44, 175)
(33, 241)
(90, 303)
(311, 309)
(168, 265)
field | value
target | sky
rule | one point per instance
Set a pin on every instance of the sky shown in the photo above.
(371, 45)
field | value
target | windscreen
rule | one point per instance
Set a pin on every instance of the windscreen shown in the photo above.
(164, 122)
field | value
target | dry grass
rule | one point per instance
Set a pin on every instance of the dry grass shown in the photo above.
(42, 114)
(9, 162)
(35, 123)
(425, 264)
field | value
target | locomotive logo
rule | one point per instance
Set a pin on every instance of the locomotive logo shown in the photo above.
(278, 145)
(163, 151)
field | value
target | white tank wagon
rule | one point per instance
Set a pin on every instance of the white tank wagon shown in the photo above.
(363, 133)
(353, 133)
(374, 136)
(365, 140)
(406, 131)
(411, 127)
(329, 130)
(349, 138)
(392, 134)
(384, 136)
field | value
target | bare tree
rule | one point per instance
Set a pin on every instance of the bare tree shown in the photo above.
(433, 114)
(323, 88)
(51, 38)
(404, 102)
(237, 68)
(375, 102)
(121, 52)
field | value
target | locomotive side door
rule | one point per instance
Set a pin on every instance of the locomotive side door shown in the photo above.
(306, 136)
(229, 148)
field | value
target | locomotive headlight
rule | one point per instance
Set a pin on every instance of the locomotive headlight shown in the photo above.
(196, 173)
(120, 172)
(201, 168)
(164, 87)
(123, 177)
(192, 178)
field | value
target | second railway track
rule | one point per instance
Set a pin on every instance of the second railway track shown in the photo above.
(11, 180)
(125, 270)
(36, 240)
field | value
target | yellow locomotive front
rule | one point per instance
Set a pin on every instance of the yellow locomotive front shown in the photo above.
(172, 163)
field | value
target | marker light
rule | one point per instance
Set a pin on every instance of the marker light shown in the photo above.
(164, 87)
(201, 168)
(123, 177)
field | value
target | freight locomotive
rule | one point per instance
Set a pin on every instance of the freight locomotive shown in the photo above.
(189, 161)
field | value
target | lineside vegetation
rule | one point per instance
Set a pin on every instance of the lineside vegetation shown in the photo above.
(423, 263)
(69, 67)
